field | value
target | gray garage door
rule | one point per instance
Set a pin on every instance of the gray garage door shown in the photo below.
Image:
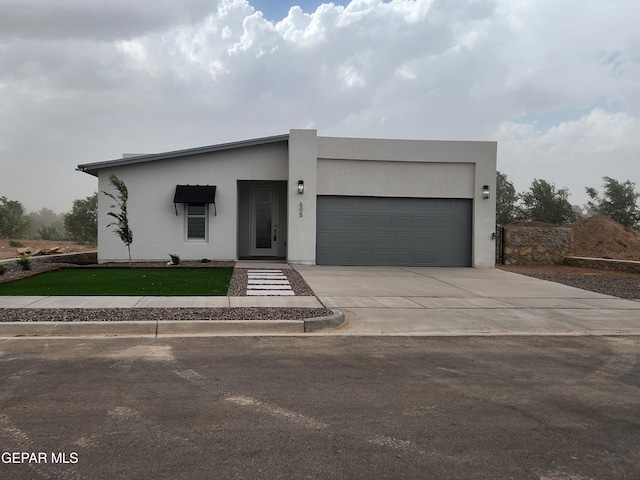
(393, 231)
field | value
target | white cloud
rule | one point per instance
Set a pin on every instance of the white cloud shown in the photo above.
(574, 154)
(85, 80)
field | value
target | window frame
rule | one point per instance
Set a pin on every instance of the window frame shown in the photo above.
(196, 216)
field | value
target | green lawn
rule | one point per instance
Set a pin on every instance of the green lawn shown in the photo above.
(123, 281)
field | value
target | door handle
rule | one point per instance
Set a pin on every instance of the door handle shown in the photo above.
(275, 233)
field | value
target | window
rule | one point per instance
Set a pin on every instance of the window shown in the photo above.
(196, 221)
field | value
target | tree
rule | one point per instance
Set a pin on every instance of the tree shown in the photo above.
(506, 200)
(82, 222)
(122, 220)
(46, 225)
(578, 212)
(619, 202)
(544, 203)
(13, 222)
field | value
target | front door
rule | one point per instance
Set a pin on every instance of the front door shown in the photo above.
(264, 221)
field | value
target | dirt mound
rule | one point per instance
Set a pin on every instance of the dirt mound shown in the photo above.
(601, 237)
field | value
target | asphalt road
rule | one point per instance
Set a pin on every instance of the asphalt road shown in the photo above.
(545, 408)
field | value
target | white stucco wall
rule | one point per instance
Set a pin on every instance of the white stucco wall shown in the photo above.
(303, 154)
(157, 231)
(395, 179)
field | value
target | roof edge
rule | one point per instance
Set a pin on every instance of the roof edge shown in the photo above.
(93, 168)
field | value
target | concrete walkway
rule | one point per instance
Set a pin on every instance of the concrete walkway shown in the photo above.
(157, 302)
(464, 301)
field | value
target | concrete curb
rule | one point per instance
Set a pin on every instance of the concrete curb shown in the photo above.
(321, 323)
(170, 327)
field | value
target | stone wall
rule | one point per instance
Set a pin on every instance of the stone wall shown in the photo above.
(77, 258)
(543, 245)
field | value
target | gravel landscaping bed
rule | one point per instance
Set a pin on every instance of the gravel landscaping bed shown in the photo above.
(14, 272)
(622, 285)
(153, 314)
(238, 284)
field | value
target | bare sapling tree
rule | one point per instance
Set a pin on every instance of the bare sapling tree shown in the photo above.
(121, 222)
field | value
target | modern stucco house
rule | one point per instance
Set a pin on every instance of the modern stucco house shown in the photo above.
(308, 199)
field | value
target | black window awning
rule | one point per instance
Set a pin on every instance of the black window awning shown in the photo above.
(202, 194)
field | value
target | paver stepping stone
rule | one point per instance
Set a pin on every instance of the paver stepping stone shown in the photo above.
(268, 282)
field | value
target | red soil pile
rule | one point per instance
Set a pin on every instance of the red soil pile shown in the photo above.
(601, 237)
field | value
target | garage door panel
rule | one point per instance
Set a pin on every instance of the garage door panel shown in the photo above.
(383, 204)
(364, 221)
(364, 240)
(404, 240)
(384, 221)
(342, 238)
(445, 223)
(405, 222)
(404, 258)
(393, 231)
(345, 221)
(324, 257)
(363, 257)
(364, 204)
(422, 241)
(423, 258)
(443, 258)
(443, 241)
(383, 239)
(343, 203)
(324, 239)
(462, 242)
(383, 258)
(342, 257)
(324, 220)
(424, 222)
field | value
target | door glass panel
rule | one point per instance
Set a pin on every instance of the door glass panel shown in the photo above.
(264, 199)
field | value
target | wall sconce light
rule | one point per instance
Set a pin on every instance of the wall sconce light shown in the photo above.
(300, 187)
(486, 191)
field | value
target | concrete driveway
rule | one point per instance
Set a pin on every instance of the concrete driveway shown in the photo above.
(465, 301)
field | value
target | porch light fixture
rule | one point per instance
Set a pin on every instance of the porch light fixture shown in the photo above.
(300, 187)
(486, 191)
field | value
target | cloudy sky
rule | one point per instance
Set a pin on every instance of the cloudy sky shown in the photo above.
(555, 82)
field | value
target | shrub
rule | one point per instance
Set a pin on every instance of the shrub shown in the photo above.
(205, 260)
(175, 259)
(24, 262)
(49, 233)
(16, 244)
(3, 268)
